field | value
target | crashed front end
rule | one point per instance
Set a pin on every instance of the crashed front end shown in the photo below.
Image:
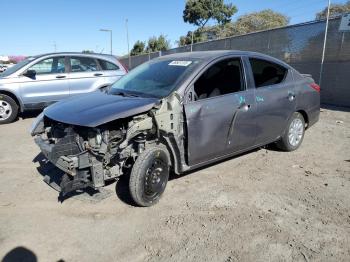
(90, 156)
(94, 145)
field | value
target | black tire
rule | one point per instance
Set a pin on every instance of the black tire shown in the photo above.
(8, 109)
(149, 176)
(285, 142)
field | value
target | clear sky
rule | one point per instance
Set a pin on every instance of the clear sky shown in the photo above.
(31, 27)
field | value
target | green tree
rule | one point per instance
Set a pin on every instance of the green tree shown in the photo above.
(160, 43)
(219, 31)
(199, 12)
(334, 10)
(206, 33)
(257, 21)
(87, 51)
(138, 48)
(187, 39)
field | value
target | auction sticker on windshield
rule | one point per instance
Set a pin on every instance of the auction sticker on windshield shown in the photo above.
(180, 63)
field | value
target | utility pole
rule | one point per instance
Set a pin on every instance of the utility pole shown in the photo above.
(324, 44)
(127, 39)
(54, 46)
(191, 41)
(111, 33)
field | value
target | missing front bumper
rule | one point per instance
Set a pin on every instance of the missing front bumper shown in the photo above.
(81, 171)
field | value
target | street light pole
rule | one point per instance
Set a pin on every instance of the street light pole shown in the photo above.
(192, 41)
(110, 31)
(111, 42)
(324, 44)
(127, 39)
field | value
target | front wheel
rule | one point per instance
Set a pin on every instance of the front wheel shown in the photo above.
(294, 135)
(8, 109)
(149, 176)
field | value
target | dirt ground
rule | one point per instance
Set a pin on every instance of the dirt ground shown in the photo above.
(262, 206)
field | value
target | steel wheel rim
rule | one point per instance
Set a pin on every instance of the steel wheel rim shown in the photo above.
(155, 179)
(296, 131)
(5, 110)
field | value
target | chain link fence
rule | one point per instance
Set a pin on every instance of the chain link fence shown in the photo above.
(299, 45)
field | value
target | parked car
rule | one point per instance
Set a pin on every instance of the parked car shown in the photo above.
(41, 80)
(3, 68)
(177, 113)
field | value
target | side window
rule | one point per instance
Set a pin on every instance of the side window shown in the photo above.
(267, 73)
(83, 64)
(222, 78)
(54, 65)
(107, 65)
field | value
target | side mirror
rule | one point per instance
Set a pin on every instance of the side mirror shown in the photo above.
(105, 89)
(191, 95)
(30, 73)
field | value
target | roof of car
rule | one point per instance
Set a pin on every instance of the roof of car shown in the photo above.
(78, 54)
(210, 55)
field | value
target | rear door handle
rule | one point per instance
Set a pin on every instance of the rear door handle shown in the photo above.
(291, 96)
(60, 76)
(98, 74)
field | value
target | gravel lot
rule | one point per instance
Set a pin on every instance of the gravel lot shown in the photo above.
(262, 206)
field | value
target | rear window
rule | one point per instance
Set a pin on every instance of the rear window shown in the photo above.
(105, 65)
(267, 73)
(83, 64)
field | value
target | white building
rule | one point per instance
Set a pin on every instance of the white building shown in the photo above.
(4, 58)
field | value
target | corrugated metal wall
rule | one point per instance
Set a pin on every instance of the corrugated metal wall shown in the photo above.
(299, 45)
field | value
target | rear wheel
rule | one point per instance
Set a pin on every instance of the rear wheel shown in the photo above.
(8, 109)
(294, 135)
(149, 176)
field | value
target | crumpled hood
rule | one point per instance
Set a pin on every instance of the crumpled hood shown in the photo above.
(97, 108)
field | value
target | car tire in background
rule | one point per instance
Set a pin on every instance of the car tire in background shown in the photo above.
(294, 134)
(149, 176)
(8, 109)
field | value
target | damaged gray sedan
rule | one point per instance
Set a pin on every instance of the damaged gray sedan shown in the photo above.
(174, 114)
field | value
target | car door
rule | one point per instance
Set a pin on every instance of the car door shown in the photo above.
(84, 75)
(275, 98)
(48, 85)
(220, 117)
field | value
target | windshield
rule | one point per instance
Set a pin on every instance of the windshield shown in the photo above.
(17, 66)
(155, 78)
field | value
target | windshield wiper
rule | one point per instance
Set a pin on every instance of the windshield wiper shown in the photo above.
(125, 94)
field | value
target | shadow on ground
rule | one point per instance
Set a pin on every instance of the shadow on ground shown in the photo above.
(53, 176)
(30, 114)
(20, 254)
(335, 108)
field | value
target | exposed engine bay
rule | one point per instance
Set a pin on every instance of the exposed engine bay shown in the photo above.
(90, 156)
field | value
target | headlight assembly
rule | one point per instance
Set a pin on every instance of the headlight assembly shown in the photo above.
(38, 125)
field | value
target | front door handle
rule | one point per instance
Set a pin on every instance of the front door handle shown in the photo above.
(98, 74)
(244, 107)
(60, 76)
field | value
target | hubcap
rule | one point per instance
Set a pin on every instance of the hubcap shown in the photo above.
(5, 110)
(155, 179)
(296, 131)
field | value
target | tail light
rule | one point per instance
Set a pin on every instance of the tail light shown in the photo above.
(125, 68)
(315, 87)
